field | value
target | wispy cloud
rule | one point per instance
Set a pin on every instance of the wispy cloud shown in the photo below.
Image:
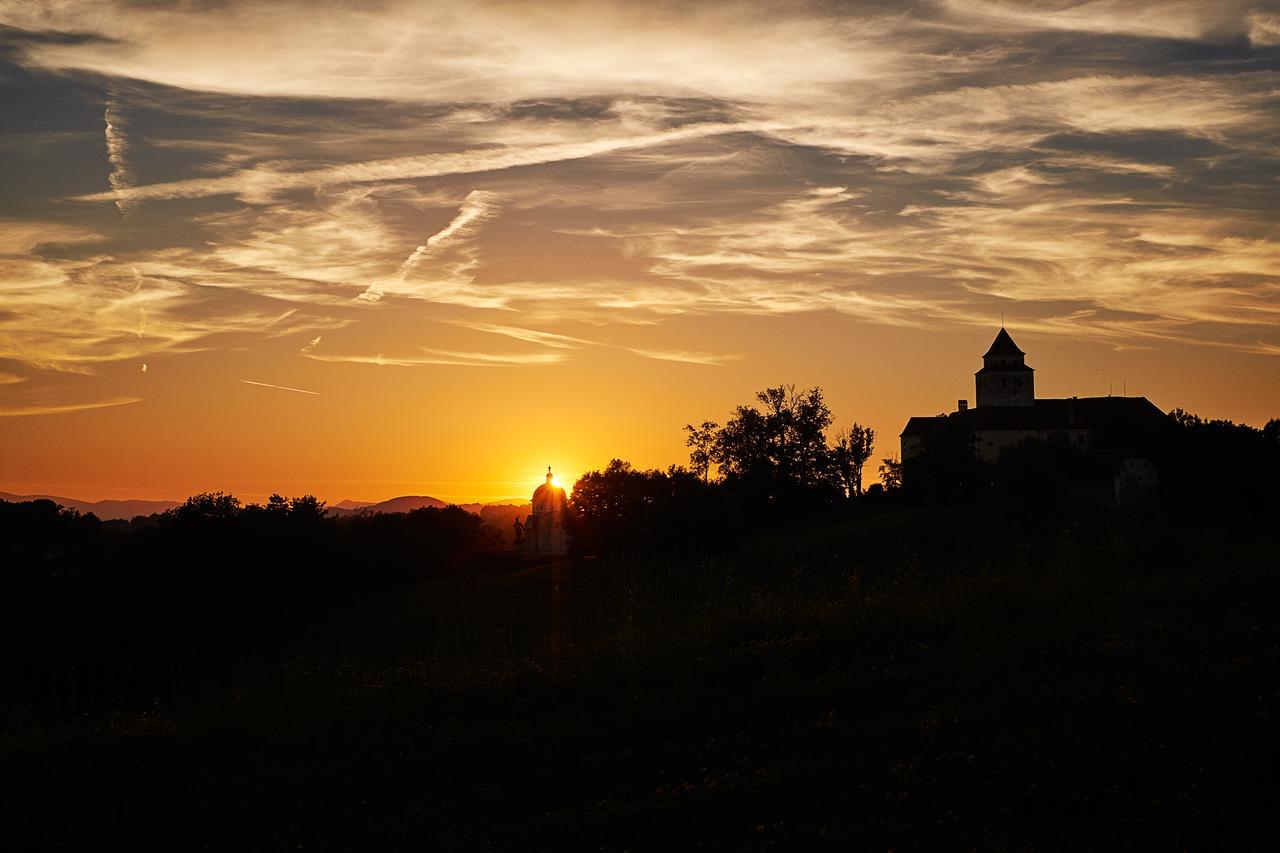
(1102, 167)
(279, 387)
(533, 336)
(557, 341)
(683, 356)
(121, 176)
(262, 183)
(73, 313)
(1179, 19)
(444, 357)
(476, 207)
(497, 49)
(62, 408)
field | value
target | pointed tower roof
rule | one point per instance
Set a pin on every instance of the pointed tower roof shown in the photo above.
(1003, 345)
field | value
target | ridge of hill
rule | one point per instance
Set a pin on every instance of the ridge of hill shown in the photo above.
(408, 503)
(107, 510)
(500, 514)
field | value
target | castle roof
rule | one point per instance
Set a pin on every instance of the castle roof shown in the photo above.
(1003, 345)
(1118, 416)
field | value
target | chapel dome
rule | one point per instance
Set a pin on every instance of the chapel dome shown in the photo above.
(549, 492)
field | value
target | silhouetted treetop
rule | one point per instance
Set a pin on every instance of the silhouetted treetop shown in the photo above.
(207, 505)
(853, 449)
(780, 441)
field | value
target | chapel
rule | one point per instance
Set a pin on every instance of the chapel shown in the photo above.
(542, 533)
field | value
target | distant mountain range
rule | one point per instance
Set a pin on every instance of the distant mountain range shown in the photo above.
(496, 513)
(105, 510)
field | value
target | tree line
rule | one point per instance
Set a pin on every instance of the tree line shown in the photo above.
(96, 614)
(773, 463)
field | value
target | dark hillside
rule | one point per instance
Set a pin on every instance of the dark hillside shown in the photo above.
(923, 679)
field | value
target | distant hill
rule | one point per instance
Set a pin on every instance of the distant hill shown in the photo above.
(105, 510)
(499, 515)
(404, 503)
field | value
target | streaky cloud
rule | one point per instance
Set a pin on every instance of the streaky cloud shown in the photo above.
(533, 336)
(683, 356)
(444, 358)
(476, 207)
(121, 176)
(63, 408)
(262, 183)
(279, 387)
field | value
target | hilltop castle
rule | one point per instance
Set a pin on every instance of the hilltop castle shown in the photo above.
(1119, 430)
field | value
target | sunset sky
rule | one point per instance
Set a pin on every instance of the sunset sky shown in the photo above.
(431, 248)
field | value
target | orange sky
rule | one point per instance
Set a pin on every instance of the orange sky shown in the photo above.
(480, 239)
(467, 434)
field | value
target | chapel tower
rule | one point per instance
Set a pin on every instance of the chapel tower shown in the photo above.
(543, 534)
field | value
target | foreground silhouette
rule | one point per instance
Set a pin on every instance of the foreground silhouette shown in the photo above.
(962, 668)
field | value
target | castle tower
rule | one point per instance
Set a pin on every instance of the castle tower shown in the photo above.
(1005, 379)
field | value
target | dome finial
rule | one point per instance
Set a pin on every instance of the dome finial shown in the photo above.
(548, 473)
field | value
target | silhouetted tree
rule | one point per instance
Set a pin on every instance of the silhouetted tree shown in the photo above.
(781, 446)
(1219, 466)
(623, 508)
(853, 449)
(207, 505)
(307, 507)
(701, 441)
(891, 473)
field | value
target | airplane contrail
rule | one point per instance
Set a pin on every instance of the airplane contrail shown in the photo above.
(279, 387)
(476, 207)
(121, 176)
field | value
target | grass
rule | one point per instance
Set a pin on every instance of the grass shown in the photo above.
(904, 682)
